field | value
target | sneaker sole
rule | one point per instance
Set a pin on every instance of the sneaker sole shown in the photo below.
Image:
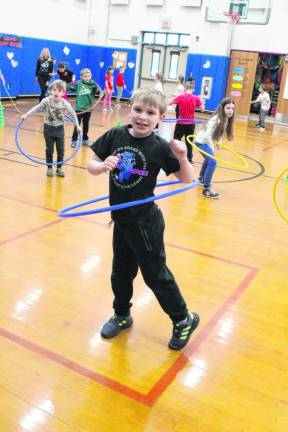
(195, 323)
(211, 197)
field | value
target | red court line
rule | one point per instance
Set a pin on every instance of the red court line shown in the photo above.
(161, 385)
(49, 209)
(183, 359)
(165, 380)
(205, 254)
(29, 232)
(75, 367)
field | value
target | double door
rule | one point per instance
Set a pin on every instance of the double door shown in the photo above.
(168, 60)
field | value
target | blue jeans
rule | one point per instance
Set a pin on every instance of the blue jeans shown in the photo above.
(262, 116)
(208, 166)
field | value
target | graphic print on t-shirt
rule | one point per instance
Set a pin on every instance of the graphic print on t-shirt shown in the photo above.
(84, 90)
(131, 167)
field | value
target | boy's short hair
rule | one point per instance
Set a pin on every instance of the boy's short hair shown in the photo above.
(151, 97)
(62, 65)
(85, 70)
(188, 85)
(59, 84)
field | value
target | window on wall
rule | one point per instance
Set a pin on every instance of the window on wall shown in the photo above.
(148, 38)
(155, 62)
(160, 38)
(173, 66)
(166, 39)
(172, 39)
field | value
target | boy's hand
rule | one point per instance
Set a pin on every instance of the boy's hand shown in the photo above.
(24, 116)
(179, 149)
(110, 163)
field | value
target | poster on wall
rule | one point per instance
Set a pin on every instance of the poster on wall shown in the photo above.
(119, 59)
(10, 41)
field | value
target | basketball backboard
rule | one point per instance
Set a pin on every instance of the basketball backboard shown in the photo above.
(251, 11)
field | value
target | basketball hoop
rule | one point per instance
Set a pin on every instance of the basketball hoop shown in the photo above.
(234, 17)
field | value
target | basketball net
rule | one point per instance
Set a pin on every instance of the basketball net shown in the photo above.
(234, 17)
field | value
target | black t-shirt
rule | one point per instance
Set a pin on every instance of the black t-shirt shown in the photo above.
(140, 160)
(44, 67)
(66, 75)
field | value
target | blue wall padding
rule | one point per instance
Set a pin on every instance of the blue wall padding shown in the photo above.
(18, 64)
(217, 67)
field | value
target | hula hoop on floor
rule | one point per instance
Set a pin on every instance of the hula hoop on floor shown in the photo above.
(230, 164)
(31, 158)
(66, 212)
(280, 211)
(97, 100)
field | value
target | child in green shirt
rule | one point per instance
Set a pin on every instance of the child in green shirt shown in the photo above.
(86, 90)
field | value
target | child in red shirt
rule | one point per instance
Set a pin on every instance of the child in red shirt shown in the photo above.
(108, 89)
(120, 85)
(185, 125)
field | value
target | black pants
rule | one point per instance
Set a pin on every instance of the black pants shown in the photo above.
(177, 111)
(54, 135)
(85, 117)
(185, 129)
(141, 245)
(42, 80)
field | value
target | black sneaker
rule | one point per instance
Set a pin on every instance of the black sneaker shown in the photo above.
(209, 193)
(115, 325)
(183, 330)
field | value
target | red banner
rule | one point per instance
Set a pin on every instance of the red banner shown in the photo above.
(10, 41)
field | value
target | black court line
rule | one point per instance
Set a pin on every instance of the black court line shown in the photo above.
(8, 152)
(39, 157)
(251, 177)
(18, 162)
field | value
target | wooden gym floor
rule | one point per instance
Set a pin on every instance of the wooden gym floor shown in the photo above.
(228, 255)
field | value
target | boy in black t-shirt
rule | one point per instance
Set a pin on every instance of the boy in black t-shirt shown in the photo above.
(65, 75)
(134, 155)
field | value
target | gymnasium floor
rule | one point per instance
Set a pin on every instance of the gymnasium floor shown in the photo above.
(228, 255)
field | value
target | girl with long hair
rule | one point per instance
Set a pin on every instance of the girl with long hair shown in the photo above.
(218, 126)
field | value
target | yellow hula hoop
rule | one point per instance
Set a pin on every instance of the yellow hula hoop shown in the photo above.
(280, 211)
(231, 164)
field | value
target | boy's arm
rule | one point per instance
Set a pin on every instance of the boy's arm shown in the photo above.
(97, 166)
(200, 104)
(72, 87)
(174, 101)
(71, 111)
(256, 100)
(39, 107)
(186, 171)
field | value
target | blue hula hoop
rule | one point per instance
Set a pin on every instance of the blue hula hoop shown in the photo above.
(176, 120)
(65, 213)
(31, 158)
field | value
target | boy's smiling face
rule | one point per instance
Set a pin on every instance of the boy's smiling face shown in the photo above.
(143, 118)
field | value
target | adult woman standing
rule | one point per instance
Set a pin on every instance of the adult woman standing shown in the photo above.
(44, 71)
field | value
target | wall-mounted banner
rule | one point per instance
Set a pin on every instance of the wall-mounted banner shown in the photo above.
(10, 41)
